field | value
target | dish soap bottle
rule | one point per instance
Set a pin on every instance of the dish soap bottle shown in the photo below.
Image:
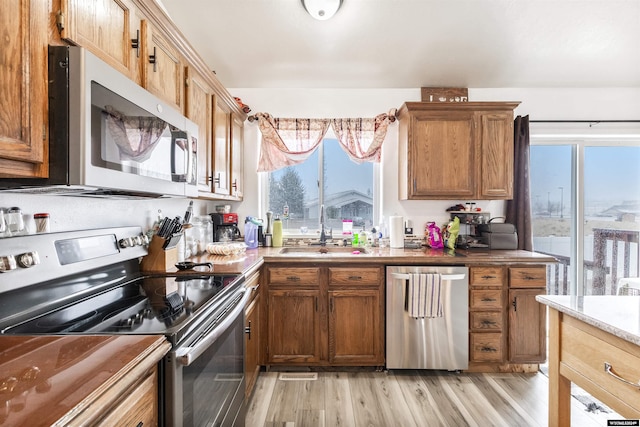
(277, 232)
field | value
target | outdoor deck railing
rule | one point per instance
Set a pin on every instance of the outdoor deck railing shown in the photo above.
(601, 274)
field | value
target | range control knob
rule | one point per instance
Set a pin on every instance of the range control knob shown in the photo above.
(127, 242)
(28, 259)
(8, 262)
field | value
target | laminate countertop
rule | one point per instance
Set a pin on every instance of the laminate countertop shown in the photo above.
(49, 380)
(617, 315)
(253, 258)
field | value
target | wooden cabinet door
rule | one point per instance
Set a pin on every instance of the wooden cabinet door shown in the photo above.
(199, 109)
(23, 77)
(221, 148)
(527, 326)
(441, 155)
(356, 332)
(164, 70)
(496, 156)
(237, 150)
(294, 326)
(252, 344)
(111, 29)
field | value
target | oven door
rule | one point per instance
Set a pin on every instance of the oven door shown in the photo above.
(205, 382)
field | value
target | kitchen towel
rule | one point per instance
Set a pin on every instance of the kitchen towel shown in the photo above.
(424, 298)
(396, 232)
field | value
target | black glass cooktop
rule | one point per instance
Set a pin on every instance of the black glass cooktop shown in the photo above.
(146, 305)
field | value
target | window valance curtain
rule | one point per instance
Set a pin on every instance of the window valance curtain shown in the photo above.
(287, 142)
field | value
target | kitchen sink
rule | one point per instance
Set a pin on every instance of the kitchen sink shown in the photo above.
(321, 250)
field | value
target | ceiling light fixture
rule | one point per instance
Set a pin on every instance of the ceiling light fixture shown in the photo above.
(322, 9)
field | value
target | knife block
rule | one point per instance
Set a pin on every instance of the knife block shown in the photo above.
(159, 260)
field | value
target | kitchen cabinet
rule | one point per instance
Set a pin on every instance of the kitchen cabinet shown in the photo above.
(111, 29)
(252, 333)
(527, 318)
(293, 307)
(199, 109)
(164, 68)
(221, 172)
(23, 77)
(456, 150)
(237, 156)
(487, 332)
(327, 315)
(356, 319)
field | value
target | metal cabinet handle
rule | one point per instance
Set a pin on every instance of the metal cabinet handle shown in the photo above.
(135, 43)
(488, 322)
(515, 303)
(355, 277)
(153, 60)
(488, 299)
(442, 276)
(609, 370)
(247, 330)
(293, 278)
(488, 350)
(488, 277)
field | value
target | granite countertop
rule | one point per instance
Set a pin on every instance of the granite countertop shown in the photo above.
(617, 315)
(253, 258)
(45, 379)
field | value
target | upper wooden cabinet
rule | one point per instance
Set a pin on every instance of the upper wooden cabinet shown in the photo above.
(23, 77)
(199, 109)
(237, 156)
(221, 172)
(456, 150)
(111, 29)
(164, 68)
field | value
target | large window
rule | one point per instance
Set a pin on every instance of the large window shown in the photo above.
(328, 178)
(586, 210)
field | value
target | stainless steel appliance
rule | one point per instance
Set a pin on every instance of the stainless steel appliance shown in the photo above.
(89, 282)
(109, 136)
(439, 342)
(225, 227)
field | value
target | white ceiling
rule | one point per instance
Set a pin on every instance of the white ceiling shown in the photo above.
(415, 43)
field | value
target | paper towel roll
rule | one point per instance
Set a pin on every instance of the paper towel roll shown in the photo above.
(396, 232)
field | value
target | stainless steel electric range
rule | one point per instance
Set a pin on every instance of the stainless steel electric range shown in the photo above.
(89, 282)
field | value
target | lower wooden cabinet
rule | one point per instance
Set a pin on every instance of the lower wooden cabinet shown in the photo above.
(527, 317)
(140, 408)
(487, 327)
(325, 315)
(252, 333)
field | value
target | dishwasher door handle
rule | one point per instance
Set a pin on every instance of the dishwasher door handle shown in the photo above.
(405, 276)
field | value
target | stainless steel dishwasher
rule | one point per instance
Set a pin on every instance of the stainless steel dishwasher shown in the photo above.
(439, 342)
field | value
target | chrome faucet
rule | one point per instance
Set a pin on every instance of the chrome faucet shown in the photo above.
(323, 235)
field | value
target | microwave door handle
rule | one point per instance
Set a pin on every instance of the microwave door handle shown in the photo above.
(187, 355)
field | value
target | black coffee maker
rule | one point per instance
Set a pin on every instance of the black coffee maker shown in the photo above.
(225, 227)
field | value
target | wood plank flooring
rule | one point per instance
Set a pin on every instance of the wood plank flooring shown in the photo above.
(408, 398)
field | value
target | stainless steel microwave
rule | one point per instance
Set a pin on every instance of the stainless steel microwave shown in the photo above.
(109, 136)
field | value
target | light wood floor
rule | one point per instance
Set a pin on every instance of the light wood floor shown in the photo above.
(408, 398)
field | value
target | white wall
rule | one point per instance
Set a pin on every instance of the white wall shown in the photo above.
(539, 104)
(68, 213)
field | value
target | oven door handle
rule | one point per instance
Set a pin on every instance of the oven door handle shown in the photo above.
(187, 355)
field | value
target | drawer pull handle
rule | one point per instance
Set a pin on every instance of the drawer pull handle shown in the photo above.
(293, 278)
(488, 299)
(488, 350)
(609, 370)
(488, 277)
(488, 322)
(355, 277)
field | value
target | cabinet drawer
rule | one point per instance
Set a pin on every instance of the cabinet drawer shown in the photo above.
(486, 276)
(486, 320)
(486, 347)
(585, 349)
(354, 276)
(139, 407)
(485, 299)
(294, 276)
(529, 277)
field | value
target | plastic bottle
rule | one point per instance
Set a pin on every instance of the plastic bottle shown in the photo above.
(277, 232)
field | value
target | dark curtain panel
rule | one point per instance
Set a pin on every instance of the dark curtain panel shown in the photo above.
(519, 209)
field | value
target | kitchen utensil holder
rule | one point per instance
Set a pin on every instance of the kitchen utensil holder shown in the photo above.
(159, 259)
